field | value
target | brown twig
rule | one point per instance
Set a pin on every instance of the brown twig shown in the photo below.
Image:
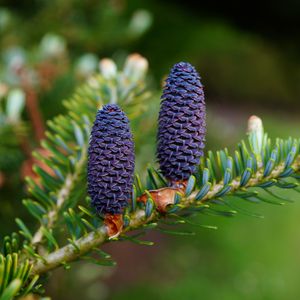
(34, 113)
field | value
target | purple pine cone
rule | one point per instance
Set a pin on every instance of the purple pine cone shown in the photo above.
(110, 161)
(182, 127)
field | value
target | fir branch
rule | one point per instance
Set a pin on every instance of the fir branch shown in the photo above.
(56, 194)
(138, 220)
(68, 159)
(71, 252)
(62, 196)
(257, 179)
(59, 182)
(87, 243)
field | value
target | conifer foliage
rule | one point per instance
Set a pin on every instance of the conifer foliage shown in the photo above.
(68, 228)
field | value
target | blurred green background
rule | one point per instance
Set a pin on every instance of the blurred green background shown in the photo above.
(248, 58)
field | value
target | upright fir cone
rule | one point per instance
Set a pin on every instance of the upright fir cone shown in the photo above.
(110, 161)
(182, 127)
